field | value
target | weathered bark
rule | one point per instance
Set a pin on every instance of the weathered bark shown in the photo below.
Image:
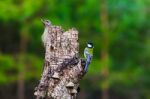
(62, 65)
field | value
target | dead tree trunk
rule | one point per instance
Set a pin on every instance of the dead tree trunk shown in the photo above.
(63, 68)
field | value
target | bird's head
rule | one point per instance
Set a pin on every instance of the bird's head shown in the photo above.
(46, 22)
(90, 45)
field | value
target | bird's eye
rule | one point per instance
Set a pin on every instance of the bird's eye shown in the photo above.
(47, 21)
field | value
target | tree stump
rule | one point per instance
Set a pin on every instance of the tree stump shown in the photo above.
(63, 69)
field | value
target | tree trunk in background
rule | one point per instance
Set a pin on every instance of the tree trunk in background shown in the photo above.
(21, 63)
(21, 78)
(105, 48)
(63, 68)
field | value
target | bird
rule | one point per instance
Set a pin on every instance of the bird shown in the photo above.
(46, 23)
(88, 54)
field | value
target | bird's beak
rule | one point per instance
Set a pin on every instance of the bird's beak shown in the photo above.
(43, 21)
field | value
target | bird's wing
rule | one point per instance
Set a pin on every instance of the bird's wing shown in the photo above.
(86, 52)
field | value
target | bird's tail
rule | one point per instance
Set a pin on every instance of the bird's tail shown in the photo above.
(86, 66)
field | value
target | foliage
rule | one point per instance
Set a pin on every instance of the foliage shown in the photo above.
(129, 38)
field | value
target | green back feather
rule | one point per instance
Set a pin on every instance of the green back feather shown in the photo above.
(90, 50)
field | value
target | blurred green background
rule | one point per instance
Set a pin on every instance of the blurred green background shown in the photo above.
(119, 29)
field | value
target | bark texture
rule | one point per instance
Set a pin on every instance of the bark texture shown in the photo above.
(63, 69)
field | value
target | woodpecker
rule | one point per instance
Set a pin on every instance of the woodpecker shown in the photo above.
(88, 54)
(46, 23)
